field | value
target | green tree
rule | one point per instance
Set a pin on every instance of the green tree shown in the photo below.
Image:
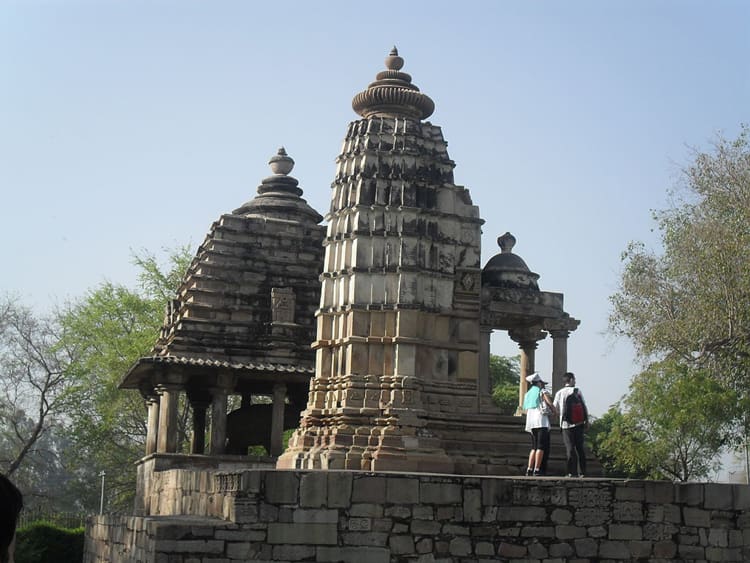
(505, 373)
(690, 302)
(108, 329)
(673, 427)
(606, 439)
(33, 385)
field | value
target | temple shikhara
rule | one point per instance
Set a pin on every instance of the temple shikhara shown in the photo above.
(366, 330)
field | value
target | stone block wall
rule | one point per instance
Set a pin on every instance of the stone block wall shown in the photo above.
(346, 516)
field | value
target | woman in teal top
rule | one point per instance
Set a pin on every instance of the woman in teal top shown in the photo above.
(538, 406)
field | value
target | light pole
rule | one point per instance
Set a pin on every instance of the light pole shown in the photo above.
(101, 501)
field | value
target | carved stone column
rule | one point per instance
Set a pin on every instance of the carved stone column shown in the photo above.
(485, 386)
(559, 357)
(560, 330)
(152, 429)
(527, 340)
(167, 436)
(199, 405)
(277, 419)
(218, 421)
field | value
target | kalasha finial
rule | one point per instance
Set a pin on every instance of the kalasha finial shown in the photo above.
(281, 163)
(393, 94)
(506, 242)
(393, 61)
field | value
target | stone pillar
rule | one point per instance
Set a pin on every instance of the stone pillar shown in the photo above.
(277, 419)
(527, 340)
(167, 437)
(218, 421)
(560, 329)
(152, 430)
(485, 386)
(199, 406)
(559, 357)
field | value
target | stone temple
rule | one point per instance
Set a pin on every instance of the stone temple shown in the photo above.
(402, 346)
(371, 336)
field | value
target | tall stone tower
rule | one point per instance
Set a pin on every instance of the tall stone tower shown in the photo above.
(398, 325)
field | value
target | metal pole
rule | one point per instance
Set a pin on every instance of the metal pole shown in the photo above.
(101, 501)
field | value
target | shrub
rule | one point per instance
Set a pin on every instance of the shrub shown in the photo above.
(43, 542)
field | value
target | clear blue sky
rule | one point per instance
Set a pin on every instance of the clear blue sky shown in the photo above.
(129, 125)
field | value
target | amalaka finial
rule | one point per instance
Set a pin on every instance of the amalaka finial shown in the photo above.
(281, 163)
(393, 61)
(506, 242)
(393, 94)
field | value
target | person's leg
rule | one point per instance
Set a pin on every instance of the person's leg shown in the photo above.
(579, 448)
(538, 461)
(532, 453)
(570, 454)
(545, 445)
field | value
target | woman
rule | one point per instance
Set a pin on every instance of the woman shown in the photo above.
(538, 405)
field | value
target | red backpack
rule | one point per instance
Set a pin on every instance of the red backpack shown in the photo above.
(575, 411)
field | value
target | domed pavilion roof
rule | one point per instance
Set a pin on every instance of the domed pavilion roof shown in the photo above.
(508, 270)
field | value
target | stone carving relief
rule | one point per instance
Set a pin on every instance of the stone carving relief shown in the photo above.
(282, 304)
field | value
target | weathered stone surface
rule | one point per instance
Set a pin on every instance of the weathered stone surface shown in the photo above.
(292, 552)
(282, 487)
(299, 534)
(319, 516)
(313, 490)
(368, 489)
(440, 493)
(401, 544)
(625, 532)
(696, 517)
(402, 491)
(614, 550)
(354, 554)
(718, 496)
(511, 550)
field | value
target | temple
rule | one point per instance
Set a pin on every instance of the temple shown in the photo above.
(371, 337)
(402, 348)
(239, 328)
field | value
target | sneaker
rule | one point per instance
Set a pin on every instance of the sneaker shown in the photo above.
(569, 475)
(537, 473)
(529, 472)
(580, 475)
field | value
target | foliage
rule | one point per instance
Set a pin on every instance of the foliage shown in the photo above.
(43, 542)
(109, 329)
(604, 437)
(505, 373)
(33, 397)
(674, 425)
(690, 303)
(692, 300)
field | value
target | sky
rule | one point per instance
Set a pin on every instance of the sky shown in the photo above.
(131, 125)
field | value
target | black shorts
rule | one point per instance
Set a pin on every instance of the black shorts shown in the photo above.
(537, 437)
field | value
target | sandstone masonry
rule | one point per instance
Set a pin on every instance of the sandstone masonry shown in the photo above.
(344, 516)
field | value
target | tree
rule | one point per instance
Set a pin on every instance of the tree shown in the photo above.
(673, 426)
(505, 373)
(690, 303)
(32, 375)
(109, 328)
(605, 434)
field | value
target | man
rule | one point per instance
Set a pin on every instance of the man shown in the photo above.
(574, 418)
(11, 503)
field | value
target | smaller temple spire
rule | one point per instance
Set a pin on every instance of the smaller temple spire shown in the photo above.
(279, 195)
(393, 94)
